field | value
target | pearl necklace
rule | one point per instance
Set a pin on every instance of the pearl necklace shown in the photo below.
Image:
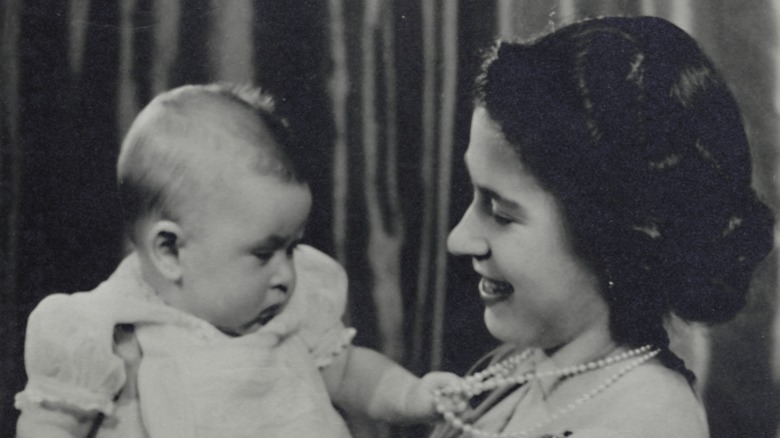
(498, 375)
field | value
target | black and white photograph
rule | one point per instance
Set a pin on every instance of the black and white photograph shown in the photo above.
(389, 218)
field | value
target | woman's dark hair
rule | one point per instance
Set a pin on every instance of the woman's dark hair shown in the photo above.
(627, 122)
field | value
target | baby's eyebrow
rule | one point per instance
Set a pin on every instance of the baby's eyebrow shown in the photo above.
(274, 241)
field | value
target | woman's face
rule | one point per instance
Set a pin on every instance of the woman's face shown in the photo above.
(537, 292)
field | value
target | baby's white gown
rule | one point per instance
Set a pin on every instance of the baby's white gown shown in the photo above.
(193, 380)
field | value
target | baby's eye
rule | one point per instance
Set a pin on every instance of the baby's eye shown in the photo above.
(291, 248)
(264, 256)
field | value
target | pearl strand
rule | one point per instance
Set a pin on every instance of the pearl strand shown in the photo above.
(497, 375)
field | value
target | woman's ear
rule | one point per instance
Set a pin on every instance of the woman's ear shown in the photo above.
(164, 238)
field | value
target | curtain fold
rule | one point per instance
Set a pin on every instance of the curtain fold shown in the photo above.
(425, 242)
(449, 77)
(338, 90)
(385, 221)
(380, 92)
(10, 163)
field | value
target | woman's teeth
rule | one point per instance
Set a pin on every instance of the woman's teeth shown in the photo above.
(492, 290)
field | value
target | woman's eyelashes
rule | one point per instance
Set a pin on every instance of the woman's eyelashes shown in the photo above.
(489, 207)
(499, 218)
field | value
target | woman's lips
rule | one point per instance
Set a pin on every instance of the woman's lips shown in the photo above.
(492, 291)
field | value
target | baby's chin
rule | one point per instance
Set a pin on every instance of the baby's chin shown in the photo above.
(256, 324)
(240, 331)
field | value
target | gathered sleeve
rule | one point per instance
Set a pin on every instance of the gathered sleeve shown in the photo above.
(69, 357)
(322, 284)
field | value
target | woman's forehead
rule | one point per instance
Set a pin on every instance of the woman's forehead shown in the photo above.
(488, 148)
(494, 164)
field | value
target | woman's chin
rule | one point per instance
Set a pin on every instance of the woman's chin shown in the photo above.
(501, 323)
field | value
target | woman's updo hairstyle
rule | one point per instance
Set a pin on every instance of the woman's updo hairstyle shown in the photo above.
(628, 123)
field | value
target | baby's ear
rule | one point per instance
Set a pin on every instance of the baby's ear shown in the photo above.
(163, 240)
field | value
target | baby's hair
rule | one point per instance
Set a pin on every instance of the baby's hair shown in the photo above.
(168, 148)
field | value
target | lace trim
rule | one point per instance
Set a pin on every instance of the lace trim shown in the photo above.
(73, 400)
(344, 340)
(128, 283)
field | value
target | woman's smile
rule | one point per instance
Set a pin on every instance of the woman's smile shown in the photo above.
(492, 291)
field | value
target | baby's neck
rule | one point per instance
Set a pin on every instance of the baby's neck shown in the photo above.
(151, 276)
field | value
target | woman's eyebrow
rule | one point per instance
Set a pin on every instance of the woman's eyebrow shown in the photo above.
(507, 203)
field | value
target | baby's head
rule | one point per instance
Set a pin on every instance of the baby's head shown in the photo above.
(213, 203)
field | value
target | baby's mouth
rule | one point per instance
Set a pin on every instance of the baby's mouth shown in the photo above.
(262, 319)
(492, 290)
(268, 314)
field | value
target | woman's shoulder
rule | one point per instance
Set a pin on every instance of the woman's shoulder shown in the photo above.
(650, 401)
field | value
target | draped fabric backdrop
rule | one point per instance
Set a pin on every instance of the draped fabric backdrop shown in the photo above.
(380, 91)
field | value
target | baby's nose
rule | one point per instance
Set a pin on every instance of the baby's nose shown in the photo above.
(284, 277)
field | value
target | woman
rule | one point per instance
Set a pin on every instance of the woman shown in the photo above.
(611, 178)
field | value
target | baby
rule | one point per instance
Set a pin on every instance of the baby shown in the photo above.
(218, 324)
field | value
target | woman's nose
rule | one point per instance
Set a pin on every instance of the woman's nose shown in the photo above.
(465, 238)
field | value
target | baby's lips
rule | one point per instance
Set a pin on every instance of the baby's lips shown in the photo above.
(269, 313)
